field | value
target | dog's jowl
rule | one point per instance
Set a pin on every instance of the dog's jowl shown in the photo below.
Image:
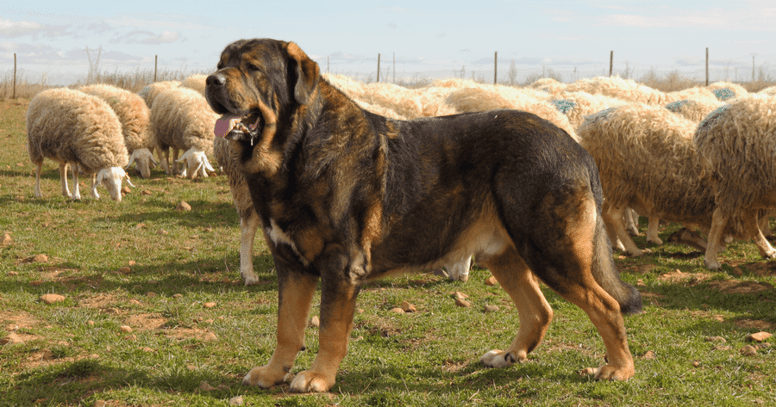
(346, 196)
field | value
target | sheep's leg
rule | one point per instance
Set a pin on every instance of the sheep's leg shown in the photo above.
(631, 222)
(718, 221)
(613, 239)
(37, 179)
(614, 217)
(752, 228)
(93, 191)
(175, 161)
(763, 221)
(248, 227)
(76, 189)
(164, 159)
(652, 237)
(63, 180)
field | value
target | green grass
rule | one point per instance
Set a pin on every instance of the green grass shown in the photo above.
(75, 353)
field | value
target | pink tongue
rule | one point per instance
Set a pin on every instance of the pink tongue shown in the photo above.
(225, 124)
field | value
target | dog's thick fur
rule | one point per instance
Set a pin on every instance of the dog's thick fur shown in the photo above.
(346, 196)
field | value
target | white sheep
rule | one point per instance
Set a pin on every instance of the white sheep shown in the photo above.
(80, 131)
(647, 161)
(737, 143)
(133, 114)
(196, 82)
(181, 119)
(149, 92)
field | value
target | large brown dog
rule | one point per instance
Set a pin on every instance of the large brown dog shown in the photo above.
(346, 196)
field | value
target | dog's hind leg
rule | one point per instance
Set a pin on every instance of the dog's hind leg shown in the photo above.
(535, 313)
(295, 295)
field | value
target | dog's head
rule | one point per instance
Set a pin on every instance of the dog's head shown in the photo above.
(258, 83)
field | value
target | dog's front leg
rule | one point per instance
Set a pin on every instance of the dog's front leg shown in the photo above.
(338, 302)
(295, 295)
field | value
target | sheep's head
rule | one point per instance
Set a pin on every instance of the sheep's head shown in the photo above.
(111, 178)
(144, 161)
(197, 163)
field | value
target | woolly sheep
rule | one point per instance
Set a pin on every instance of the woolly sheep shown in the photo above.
(726, 91)
(577, 105)
(195, 82)
(647, 161)
(133, 114)
(694, 110)
(150, 92)
(181, 119)
(696, 93)
(737, 142)
(616, 87)
(770, 91)
(80, 131)
(548, 85)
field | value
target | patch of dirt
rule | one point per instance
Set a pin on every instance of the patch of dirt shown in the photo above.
(638, 268)
(754, 324)
(739, 287)
(101, 301)
(677, 276)
(18, 319)
(453, 367)
(145, 322)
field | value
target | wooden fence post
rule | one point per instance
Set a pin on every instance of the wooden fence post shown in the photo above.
(378, 67)
(495, 68)
(13, 95)
(611, 62)
(156, 61)
(707, 66)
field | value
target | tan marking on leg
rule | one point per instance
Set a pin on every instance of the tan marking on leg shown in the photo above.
(295, 301)
(337, 309)
(535, 313)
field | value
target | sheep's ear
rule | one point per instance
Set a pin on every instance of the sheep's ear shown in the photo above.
(131, 159)
(303, 73)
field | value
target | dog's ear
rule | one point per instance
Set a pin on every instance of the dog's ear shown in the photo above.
(305, 70)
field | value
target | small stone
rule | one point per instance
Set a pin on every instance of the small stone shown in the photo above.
(205, 386)
(131, 263)
(125, 190)
(11, 339)
(491, 308)
(40, 258)
(397, 310)
(236, 401)
(209, 304)
(134, 302)
(649, 355)
(125, 270)
(162, 232)
(748, 350)
(491, 281)
(588, 371)
(12, 274)
(758, 337)
(696, 364)
(90, 323)
(145, 192)
(147, 349)
(126, 329)
(6, 240)
(314, 322)
(131, 337)
(178, 295)
(462, 303)
(183, 206)
(716, 339)
(407, 307)
(359, 310)
(460, 296)
(51, 298)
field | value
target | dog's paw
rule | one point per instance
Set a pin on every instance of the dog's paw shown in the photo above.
(311, 382)
(264, 377)
(609, 372)
(499, 358)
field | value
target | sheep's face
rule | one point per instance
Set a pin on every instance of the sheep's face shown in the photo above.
(260, 84)
(111, 179)
(196, 162)
(143, 160)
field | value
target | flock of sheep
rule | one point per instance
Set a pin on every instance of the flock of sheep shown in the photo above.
(702, 157)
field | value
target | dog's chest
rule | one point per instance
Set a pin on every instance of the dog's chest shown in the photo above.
(280, 236)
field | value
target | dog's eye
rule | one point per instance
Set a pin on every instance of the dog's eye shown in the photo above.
(252, 67)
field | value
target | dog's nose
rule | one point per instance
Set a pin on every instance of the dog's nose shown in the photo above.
(216, 79)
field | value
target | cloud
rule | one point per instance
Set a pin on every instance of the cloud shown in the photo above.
(148, 37)
(11, 29)
(392, 25)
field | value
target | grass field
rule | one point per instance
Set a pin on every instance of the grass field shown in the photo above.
(155, 314)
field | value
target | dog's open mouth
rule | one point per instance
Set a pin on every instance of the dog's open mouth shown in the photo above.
(237, 127)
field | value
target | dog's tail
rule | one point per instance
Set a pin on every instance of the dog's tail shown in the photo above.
(606, 274)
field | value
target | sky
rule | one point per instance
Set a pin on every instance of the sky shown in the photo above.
(415, 39)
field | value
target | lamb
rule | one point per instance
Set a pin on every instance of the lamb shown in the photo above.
(133, 114)
(80, 131)
(182, 119)
(737, 143)
(654, 169)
